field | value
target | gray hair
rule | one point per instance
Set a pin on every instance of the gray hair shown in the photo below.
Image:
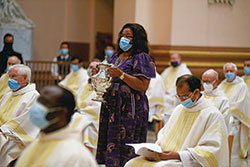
(235, 67)
(22, 70)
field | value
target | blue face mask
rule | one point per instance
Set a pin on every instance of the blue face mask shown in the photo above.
(38, 113)
(246, 70)
(124, 44)
(74, 67)
(7, 68)
(64, 51)
(230, 76)
(89, 72)
(174, 63)
(109, 53)
(188, 103)
(13, 84)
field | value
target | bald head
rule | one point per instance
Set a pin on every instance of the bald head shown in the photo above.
(211, 77)
(60, 103)
(56, 96)
(12, 60)
(175, 59)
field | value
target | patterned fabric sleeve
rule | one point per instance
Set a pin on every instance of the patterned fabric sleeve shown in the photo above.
(143, 66)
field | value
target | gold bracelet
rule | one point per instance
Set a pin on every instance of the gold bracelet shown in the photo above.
(122, 76)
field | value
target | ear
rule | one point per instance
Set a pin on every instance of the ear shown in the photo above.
(197, 90)
(24, 80)
(25, 77)
(64, 113)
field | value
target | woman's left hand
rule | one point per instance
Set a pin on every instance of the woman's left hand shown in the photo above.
(114, 72)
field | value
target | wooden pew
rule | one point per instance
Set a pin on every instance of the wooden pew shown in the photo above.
(199, 59)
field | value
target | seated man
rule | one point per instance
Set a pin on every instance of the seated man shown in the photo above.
(169, 76)
(60, 70)
(156, 99)
(238, 94)
(77, 77)
(89, 109)
(246, 70)
(210, 80)
(109, 50)
(195, 135)
(16, 130)
(12, 60)
(57, 144)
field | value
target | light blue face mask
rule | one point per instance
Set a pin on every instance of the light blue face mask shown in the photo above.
(189, 103)
(124, 44)
(230, 76)
(64, 51)
(74, 67)
(89, 72)
(109, 53)
(246, 70)
(38, 113)
(7, 68)
(13, 84)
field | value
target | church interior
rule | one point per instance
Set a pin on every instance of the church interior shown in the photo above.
(206, 34)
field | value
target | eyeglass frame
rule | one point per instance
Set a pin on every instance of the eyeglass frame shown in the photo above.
(185, 97)
(127, 36)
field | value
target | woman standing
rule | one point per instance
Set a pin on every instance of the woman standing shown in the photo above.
(124, 117)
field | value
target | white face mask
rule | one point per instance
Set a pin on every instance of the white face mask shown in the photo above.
(208, 87)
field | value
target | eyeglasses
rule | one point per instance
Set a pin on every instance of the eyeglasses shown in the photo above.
(208, 82)
(185, 97)
(126, 36)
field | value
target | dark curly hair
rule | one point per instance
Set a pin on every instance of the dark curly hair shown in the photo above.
(140, 40)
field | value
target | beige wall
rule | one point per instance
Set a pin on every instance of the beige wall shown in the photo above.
(104, 16)
(188, 23)
(66, 20)
(124, 12)
(155, 16)
(78, 20)
(49, 18)
(198, 23)
(167, 22)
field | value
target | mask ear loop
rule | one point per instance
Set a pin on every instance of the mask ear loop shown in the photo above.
(193, 95)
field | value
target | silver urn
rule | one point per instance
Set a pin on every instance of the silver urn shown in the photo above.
(101, 81)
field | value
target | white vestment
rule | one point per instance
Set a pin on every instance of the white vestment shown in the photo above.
(199, 131)
(156, 96)
(246, 79)
(74, 80)
(16, 130)
(222, 103)
(4, 85)
(62, 148)
(239, 98)
(169, 76)
(89, 112)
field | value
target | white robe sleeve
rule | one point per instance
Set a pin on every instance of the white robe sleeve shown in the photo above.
(187, 159)
(54, 68)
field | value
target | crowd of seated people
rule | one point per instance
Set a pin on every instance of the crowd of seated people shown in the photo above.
(63, 126)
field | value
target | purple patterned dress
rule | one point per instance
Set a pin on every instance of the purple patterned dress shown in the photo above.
(124, 118)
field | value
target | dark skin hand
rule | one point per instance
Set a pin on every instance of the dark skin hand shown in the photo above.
(167, 155)
(138, 83)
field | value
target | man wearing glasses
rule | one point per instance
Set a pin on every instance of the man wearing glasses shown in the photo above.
(195, 135)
